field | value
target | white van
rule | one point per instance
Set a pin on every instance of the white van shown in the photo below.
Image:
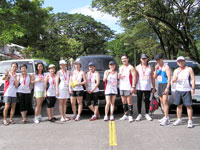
(4, 65)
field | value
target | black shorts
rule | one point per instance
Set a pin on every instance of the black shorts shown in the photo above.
(161, 89)
(77, 93)
(92, 97)
(183, 97)
(51, 101)
(24, 101)
(111, 94)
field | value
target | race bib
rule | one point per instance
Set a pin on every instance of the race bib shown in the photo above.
(24, 87)
(146, 77)
(159, 78)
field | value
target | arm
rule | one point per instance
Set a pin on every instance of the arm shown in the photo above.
(70, 80)
(168, 72)
(98, 81)
(119, 74)
(134, 78)
(33, 79)
(6, 76)
(155, 72)
(192, 80)
(16, 82)
(84, 79)
(105, 76)
(174, 78)
(153, 81)
(45, 85)
(57, 83)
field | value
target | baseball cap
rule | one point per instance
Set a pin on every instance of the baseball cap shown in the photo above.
(158, 56)
(77, 62)
(52, 66)
(143, 56)
(180, 58)
(111, 63)
(62, 62)
(91, 64)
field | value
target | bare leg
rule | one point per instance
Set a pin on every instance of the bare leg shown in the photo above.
(189, 112)
(12, 112)
(80, 105)
(73, 103)
(108, 102)
(64, 107)
(112, 105)
(165, 104)
(5, 111)
(61, 107)
(179, 111)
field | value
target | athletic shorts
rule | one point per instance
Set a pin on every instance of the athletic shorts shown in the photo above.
(77, 93)
(111, 94)
(8, 99)
(183, 97)
(92, 97)
(125, 92)
(51, 100)
(161, 89)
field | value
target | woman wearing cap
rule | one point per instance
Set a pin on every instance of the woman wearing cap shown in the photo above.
(144, 84)
(110, 79)
(93, 80)
(50, 92)
(163, 75)
(24, 91)
(62, 89)
(77, 80)
(9, 95)
(38, 81)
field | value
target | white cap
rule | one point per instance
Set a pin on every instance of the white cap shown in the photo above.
(62, 62)
(52, 65)
(180, 58)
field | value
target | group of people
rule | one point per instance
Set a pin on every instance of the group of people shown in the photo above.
(67, 84)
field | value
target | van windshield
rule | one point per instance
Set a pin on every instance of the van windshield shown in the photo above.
(7, 65)
(101, 64)
(173, 66)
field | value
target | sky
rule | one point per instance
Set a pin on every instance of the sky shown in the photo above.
(84, 7)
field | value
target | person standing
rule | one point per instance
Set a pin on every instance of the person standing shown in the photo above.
(9, 93)
(163, 76)
(127, 86)
(184, 90)
(93, 80)
(50, 92)
(24, 91)
(110, 79)
(77, 80)
(145, 82)
(38, 81)
(62, 89)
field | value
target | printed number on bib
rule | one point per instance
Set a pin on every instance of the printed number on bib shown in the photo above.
(159, 78)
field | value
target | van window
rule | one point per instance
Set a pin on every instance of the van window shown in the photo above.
(173, 66)
(101, 63)
(7, 65)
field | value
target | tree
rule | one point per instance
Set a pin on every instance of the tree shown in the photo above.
(176, 23)
(22, 21)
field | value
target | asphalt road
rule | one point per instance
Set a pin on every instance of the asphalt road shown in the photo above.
(86, 135)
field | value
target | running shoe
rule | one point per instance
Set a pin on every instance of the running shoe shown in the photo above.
(177, 122)
(165, 122)
(72, 117)
(62, 119)
(112, 118)
(125, 117)
(148, 117)
(36, 120)
(66, 119)
(106, 118)
(130, 119)
(93, 118)
(161, 119)
(139, 117)
(77, 118)
(190, 124)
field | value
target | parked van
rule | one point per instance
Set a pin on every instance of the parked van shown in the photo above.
(173, 65)
(4, 65)
(101, 64)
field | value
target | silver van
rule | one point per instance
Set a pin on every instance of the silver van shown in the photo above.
(173, 65)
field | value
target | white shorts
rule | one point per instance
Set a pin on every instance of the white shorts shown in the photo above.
(63, 94)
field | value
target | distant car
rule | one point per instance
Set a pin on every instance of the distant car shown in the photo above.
(31, 64)
(173, 65)
(101, 64)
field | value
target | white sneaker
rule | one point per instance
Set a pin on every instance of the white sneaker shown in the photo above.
(161, 119)
(148, 117)
(112, 118)
(62, 119)
(36, 120)
(177, 122)
(77, 118)
(165, 122)
(190, 124)
(105, 118)
(139, 117)
(40, 118)
(125, 117)
(66, 119)
(130, 119)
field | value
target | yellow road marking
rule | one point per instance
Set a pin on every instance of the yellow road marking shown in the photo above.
(112, 134)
